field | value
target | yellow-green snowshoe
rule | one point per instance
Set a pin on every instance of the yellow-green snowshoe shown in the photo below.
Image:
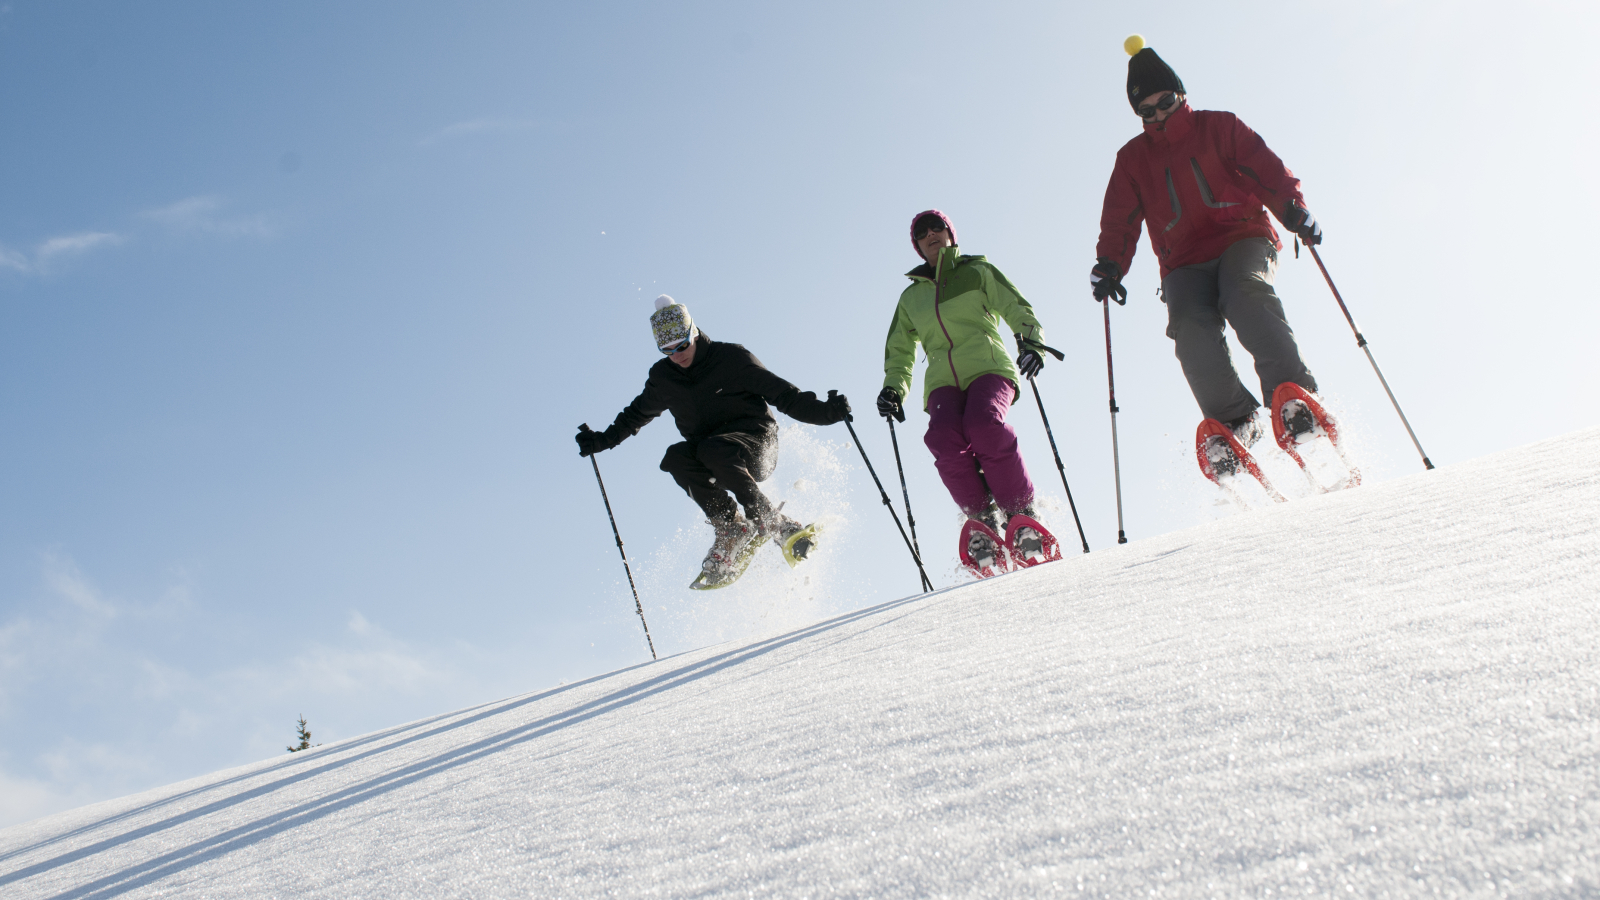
(798, 546)
(706, 581)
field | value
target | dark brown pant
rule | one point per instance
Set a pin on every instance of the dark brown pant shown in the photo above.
(713, 467)
(1233, 289)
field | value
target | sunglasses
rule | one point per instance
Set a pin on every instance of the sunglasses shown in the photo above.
(1165, 103)
(925, 226)
(677, 348)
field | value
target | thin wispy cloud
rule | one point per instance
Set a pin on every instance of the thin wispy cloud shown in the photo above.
(54, 250)
(366, 659)
(11, 259)
(73, 244)
(206, 214)
(17, 638)
(203, 214)
(30, 798)
(481, 127)
(148, 715)
(64, 580)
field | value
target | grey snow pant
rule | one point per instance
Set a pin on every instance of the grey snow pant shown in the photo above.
(1235, 288)
(708, 469)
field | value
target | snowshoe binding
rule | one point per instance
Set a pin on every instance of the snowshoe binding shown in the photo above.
(1028, 543)
(982, 551)
(1305, 431)
(1222, 460)
(735, 545)
(1246, 429)
(795, 540)
(797, 547)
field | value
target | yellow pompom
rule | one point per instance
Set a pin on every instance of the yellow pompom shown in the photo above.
(1133, 44)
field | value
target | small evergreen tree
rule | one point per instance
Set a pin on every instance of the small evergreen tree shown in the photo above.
(302, 732)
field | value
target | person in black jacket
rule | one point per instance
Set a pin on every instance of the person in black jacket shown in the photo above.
(718, 394)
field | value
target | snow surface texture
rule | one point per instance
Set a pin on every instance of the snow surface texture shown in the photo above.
(1389, 691)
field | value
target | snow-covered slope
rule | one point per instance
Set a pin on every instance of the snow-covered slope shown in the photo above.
(1390, 691)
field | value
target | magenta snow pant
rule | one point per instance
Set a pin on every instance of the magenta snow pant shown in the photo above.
(967, 430)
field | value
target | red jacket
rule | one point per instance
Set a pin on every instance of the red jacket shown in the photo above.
(1201, 178)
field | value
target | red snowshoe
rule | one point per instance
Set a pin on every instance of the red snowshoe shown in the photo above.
(1222, 458)
(982, 551)
(1028, 549)
(1301, 424)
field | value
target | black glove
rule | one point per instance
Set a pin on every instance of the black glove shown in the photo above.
(889, 404)
(1029, 362)
(838, 407)
(1299, 220)
(592, 442)
(1106, 281)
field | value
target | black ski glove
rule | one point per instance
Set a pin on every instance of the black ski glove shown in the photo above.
(1029, 362)
(1299, 220)
(1105, 279)
(889, 404)
(592, 442)
(838, 407)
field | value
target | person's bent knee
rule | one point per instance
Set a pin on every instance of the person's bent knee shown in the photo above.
(992, 433)
(678, 457)
(1190, 330)
(942, 442)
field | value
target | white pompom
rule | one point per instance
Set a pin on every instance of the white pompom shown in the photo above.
(663, 301)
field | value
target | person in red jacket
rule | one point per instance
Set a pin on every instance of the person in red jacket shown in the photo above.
(1204, 182)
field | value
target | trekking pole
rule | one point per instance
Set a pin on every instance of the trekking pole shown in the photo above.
(1059, 467)
(1052, 435)
(1116, 457)
(629, 569)
(911, 521)
(1361, 342)
(917, 557)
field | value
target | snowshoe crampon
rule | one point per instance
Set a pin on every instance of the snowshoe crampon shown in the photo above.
(797, 547)
(1306, 432)
(982, 551)
(1030, 549)
(1222, 459)
(721, 577)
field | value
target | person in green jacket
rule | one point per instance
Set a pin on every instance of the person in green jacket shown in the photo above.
(954, 307)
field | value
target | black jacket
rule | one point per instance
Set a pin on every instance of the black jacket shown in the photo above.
(726, 389)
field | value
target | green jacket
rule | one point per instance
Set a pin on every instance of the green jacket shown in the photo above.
(955, 313)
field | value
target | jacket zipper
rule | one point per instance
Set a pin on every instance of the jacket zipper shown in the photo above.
(949, 355)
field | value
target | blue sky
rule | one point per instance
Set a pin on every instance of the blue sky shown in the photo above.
(300, 306)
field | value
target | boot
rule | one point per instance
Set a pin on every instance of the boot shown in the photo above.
(733, 535)
(777, 526)
(990, 516)
(1246, 429)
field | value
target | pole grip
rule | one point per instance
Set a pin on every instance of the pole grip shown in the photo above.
(848, 417)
